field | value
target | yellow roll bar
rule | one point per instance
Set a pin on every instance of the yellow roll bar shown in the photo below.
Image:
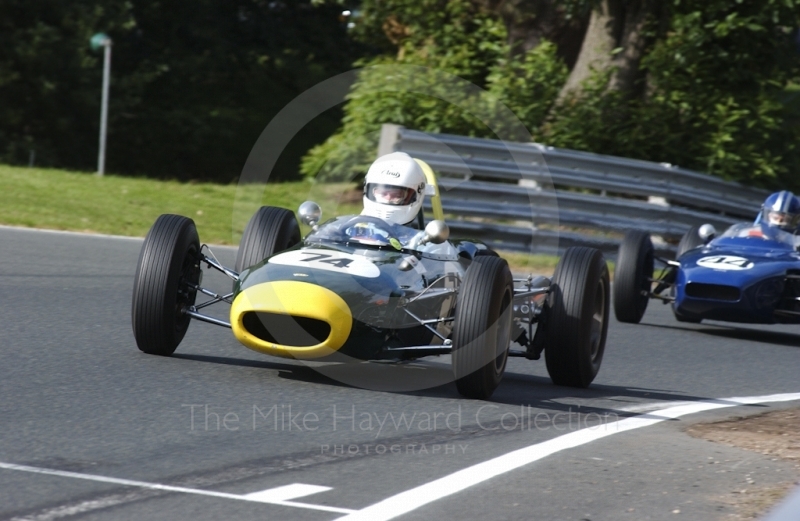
(436, 200)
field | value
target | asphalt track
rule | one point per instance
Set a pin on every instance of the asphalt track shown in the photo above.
(94, 429)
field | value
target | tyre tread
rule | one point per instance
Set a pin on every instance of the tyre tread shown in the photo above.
(629, 304)
(575, 275)
(269, 231)
(476, 305)
(689, 241)
(151, 313)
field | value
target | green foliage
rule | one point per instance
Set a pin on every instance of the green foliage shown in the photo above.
(528, 84)
(718, 79)
(193, 84)
(722, 92)
(420, 87)
(49, 78)
(718, 97)
(592, 120)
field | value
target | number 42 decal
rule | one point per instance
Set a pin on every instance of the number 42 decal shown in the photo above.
(725, 262)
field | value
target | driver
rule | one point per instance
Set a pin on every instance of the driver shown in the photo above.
(394, 189)
(780, 210)
(367, 232)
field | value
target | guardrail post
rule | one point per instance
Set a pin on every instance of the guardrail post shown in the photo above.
(389, 138)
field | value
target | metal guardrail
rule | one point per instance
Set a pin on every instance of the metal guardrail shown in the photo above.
(516, 188)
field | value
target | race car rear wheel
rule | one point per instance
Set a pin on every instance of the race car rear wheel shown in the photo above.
(689, 241)
(576, 322)
(271, 230)
(632, 276)
(482, 327)
(168, 263)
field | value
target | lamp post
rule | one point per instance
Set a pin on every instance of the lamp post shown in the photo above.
(97, 41)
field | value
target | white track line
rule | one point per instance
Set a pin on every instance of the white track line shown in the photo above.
(96, 235)
(417, 497)
(286, 492)
(157, 486)
(68, 233)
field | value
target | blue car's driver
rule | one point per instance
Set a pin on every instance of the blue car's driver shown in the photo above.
(780, 210)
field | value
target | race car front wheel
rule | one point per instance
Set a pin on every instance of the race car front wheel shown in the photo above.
(271, 230)
(689, 241)
(168, 268)
(632, 276)
(482, 327)
(576, 323)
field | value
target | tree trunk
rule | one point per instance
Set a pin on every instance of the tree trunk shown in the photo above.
(528, 22)
(598, 44)
(615, 39)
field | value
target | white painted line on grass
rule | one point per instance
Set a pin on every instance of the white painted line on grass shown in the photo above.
(170, 488)
(286, 492)
(417, 497)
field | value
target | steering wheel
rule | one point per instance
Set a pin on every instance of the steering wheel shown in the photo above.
(375, 231)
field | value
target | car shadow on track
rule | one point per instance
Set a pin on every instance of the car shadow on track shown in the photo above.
(516, 389)
(736, 333)
(290, 371)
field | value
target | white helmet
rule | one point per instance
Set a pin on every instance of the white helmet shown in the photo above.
(394, 188)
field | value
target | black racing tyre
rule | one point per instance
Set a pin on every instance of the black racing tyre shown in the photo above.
(689, 241)
(482, 327)
(167, 262)
(576, 324)
(632, 276)
(271, 230)
(488, 252)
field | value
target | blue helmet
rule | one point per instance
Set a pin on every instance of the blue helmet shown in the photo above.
(781, 210)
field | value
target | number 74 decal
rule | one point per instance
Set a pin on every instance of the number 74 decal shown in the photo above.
(328, 260)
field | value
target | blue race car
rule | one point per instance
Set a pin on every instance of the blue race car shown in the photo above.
(749, 274)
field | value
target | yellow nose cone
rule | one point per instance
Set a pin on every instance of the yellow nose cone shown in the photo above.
(291, 319)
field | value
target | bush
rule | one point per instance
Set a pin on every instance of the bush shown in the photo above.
(458, 80)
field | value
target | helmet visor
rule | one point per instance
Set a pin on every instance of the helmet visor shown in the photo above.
(391, 194)
(782, 219)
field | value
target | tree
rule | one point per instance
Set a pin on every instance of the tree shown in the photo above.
(193, 84)
(707, 84)
(616, 39)
(457, 36)
(530, 22)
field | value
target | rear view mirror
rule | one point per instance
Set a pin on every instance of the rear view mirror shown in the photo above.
(437, 232)
(707, 232)
(310, 213)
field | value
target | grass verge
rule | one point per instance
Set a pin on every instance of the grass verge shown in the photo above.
(79, 201)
